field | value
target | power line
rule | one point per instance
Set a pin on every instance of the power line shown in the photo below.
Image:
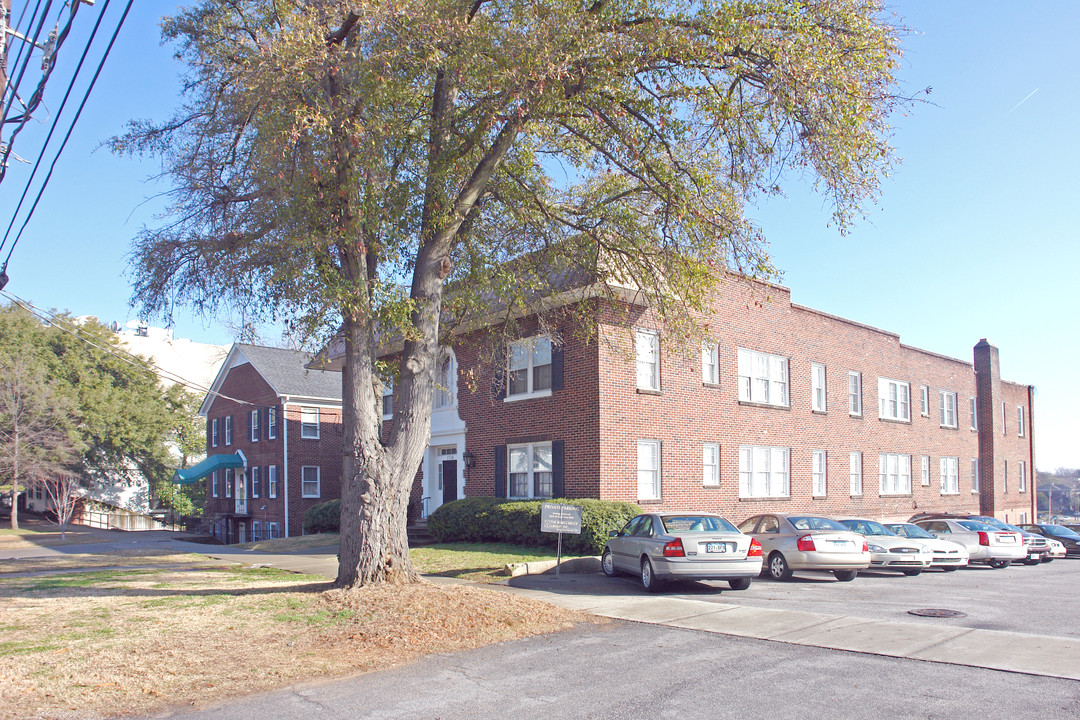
(33, 42)
(56, 120)
(78, 113)
(119, 353)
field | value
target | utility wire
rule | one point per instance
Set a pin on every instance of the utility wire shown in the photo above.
(33, 42)
(118, 353)
(78, 113)
(56, 121)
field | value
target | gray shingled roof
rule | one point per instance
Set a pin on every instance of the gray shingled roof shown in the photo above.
(285, 371)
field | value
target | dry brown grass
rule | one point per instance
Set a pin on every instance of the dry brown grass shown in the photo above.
(175, 632)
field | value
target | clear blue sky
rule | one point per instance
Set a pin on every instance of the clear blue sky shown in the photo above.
(975, 234)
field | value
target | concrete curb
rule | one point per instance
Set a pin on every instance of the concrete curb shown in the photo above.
(570, 565)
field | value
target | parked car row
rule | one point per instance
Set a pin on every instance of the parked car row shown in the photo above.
(662, 546)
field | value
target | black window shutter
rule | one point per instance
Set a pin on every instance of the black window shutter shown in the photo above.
(558, 488)
(500, 471)
(209, 433)
(499, 381)
(556, 368)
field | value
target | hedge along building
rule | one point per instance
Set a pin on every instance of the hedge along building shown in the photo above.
(273, 443)
(782, 408)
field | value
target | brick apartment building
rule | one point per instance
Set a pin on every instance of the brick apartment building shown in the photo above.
(273, 443)
(783, 408)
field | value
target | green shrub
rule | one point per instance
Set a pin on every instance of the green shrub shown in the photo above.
(323, 518)
(488, 519)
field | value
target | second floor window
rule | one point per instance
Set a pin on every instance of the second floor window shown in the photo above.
(854, 381)
(254, 426)
(214, 433)
(763, 378)
(710, 366)
(647, 350)
(271, 423)
(529, 371)
(271, 481)
(948, 409)
(817, 387)
(894, 400)
(228, 429)
(309, 423)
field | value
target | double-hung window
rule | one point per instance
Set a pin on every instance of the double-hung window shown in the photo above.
(229, 478)
(388, 399)
(854, 385)
(763, 378)
(764, 471)
(819, 473)
(271, 423)
(1022, 487)
(445, 381)
(817, 387)
(924, 400)
(310, 482)
(254, 425)
(256, 482)
(530, 470)
(213, 484)
(1020, 420)
(648, 469)
(256, 531)
(950, 480)
(855, 472)
(214, 432)
(974, 475)
(309, 423)
(228, 429)
(894, 474)
(948, 409)
(974, 414)
(710, 362)
(710, 464)
(529, 367)
(275, 531)
(894, 400)
(647, 351)
(271, 481)
(926, 471)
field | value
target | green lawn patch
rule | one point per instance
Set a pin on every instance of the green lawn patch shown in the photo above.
(480, 562)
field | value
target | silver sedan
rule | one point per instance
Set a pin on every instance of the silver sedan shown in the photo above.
(807, 542)
(682, 546)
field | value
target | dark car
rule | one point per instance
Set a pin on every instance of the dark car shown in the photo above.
(1069, 538)
(1035, 543)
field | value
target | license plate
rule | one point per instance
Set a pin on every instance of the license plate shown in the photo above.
(840, 543)
(716, 547)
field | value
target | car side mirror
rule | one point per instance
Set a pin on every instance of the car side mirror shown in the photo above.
(613, 533)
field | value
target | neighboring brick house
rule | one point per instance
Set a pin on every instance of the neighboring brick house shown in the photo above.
(273, 441)
(784, 408)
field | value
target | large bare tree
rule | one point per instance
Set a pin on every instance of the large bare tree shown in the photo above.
(335, 165)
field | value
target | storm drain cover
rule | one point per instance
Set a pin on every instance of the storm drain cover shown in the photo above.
(937, 613)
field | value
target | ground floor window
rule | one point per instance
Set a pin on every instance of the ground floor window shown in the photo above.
(274, 532)
(894, 474)
(763, 471)
(950, 475)
(309, 482)
(530, 470)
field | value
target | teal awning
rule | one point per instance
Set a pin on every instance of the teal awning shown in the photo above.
(207, 466)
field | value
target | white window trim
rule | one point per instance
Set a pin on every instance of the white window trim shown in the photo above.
(213, 484)
(819, 400)
(884, 399)
(652, 489)
(530, 392)
(271, 481)
(974, 476)
(318, 482)
(310, 430)
(819, 472)
(530, 463)
(949, 409)
(710, 464)
(902, 484)
(1023, 477)
(256, 482)
(1004, 418)
(925, 463)
(649, 380)
(274, 530)
(777, 471)
(949, 473)
(228, 430)
(854, 393)
(710, 362)
(254, 425)
(214, 437)
(973, 406)
(758, 388)
(1020, 424)
(924, 400)
(855, 474)
(271, 427)
(388, 391)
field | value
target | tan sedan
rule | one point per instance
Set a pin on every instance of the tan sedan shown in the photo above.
(793, 542)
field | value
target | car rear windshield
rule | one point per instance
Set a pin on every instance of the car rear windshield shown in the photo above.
(816, 523)
(976, 526)
(696, 523)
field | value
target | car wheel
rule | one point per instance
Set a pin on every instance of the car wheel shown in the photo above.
(1032, 561)
(999, 563)
(950, 569)
(1047, 558)
(778, 567)
(739, 583)
(648, 579)
(607, 563)
(845, 575)
(912, 573)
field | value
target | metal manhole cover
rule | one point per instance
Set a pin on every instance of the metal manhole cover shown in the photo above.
(937, 613)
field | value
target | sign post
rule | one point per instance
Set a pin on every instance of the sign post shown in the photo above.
(560, 518)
